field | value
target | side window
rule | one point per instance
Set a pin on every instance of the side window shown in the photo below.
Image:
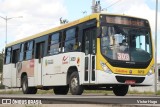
(8, 56)
(29, 50)
(71, 40)
(21, 57)
(15, 56)
(54, 44)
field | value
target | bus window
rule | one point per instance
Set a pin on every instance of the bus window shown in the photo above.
(15, 56)
(21, 55)
(87, 43)
(54, 44)
(71, 40)
(93, 33)
(8, 56)
(142, 42)
(29, 50)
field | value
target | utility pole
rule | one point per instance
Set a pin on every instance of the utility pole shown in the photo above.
(156, 66)
(93, 6)
(6, 20)
(96, 6)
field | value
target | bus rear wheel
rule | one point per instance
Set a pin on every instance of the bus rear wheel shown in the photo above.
(26, 89)
(120, 90)
(61, 90)
(75, 87)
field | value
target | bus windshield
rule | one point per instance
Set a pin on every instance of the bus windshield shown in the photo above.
(126, 43)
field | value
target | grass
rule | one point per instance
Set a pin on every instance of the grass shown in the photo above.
(2, 86)
(158, 92)
(141, 93)
(45, 92)
(98, 92)
(11, 92)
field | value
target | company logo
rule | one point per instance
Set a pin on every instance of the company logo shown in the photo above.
(47, 62)
(130, 71)
(65, 60)
(78, 60)
(121, 71)
(73, 58)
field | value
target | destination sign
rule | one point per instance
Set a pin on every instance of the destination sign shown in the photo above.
(126, 21)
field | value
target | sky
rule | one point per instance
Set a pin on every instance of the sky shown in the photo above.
(40, 15)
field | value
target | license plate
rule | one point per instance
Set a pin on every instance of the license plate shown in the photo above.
(130, 82)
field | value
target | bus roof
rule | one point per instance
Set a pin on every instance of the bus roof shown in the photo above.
(70, 24)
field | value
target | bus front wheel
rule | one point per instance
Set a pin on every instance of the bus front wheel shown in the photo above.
(120, 90)
(26, 89)
(75, 87)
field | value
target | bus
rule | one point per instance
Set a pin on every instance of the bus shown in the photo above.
(97, 52)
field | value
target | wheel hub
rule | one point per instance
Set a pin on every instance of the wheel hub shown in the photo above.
(74, 83)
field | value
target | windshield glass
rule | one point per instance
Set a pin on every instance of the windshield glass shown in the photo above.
(126, 43)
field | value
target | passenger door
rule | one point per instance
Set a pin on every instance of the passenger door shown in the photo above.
(14, 72)
(89, 41)
(39, 56)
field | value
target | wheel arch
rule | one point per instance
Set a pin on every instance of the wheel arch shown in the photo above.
(70, 70)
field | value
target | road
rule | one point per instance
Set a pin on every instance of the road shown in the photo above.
(81, 99)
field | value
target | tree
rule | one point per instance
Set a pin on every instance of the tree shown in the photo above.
(1, 62)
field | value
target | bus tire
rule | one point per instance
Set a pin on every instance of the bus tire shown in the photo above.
(120, 90)
(74, 86)
(26, 89)
(61, 90)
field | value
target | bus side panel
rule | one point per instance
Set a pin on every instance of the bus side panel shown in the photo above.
(81, 67)
(52, 71)
(36, 78)
(73, 59)
(31, 81)
(7, 75)
(28, 68)
(55, 68)
(18, 82)
(14, 76)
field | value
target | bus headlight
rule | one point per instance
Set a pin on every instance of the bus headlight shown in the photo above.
(105, 68)
(150, 72)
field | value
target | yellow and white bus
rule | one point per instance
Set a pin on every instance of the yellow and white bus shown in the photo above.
(99, 51)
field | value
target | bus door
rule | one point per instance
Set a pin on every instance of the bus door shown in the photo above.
(14, 71)
(39, 56)
(89, 40)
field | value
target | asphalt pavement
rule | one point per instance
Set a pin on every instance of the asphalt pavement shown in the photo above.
(129, 100)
